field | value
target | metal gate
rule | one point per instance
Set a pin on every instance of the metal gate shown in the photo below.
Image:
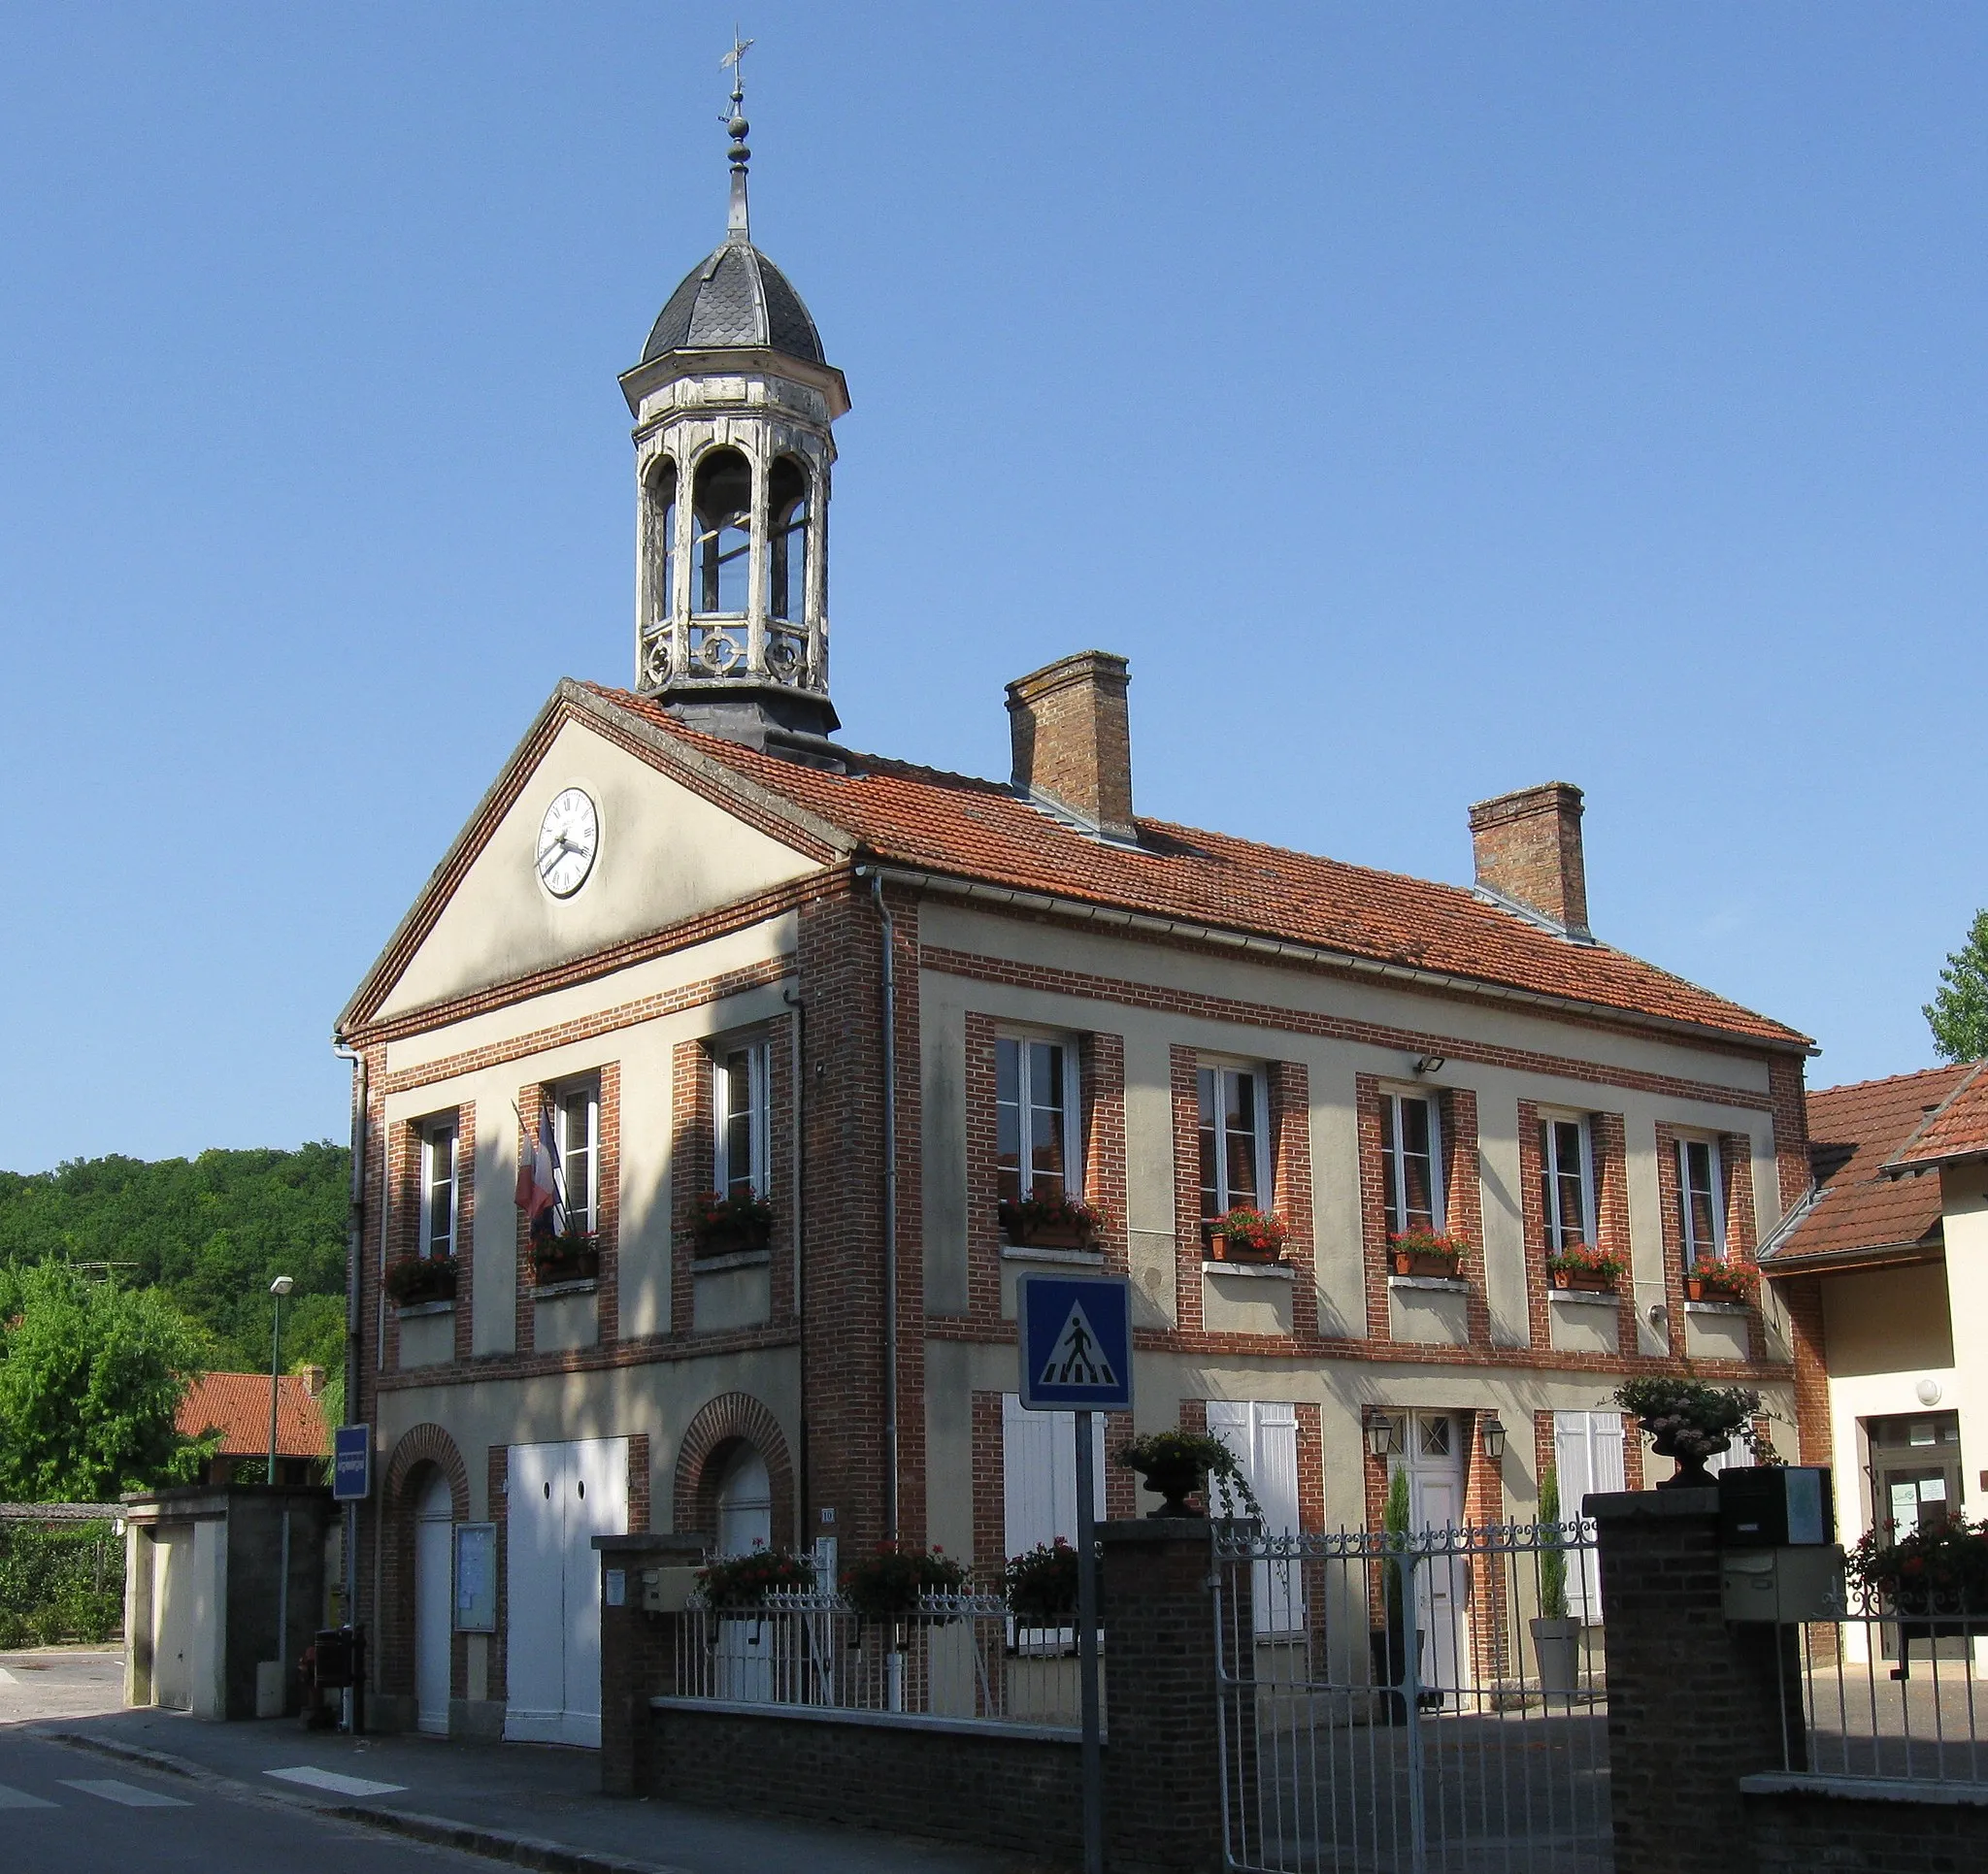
(1354, 1737)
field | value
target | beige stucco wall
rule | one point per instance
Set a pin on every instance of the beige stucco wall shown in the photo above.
(665, 854)
(1333, 1066)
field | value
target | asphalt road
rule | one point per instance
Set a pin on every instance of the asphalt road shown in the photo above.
(60, 1682)
(66, 1811)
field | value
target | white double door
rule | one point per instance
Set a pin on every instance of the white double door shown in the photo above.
(559, 1497)
(1434, 1460)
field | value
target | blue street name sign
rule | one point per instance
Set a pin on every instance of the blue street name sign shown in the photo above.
(352, 1462)
(1076, 1334)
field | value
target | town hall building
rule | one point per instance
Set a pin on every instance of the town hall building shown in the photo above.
(824, 1049)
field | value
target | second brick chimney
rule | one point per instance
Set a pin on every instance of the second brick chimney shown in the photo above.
(1073, 739)
(1528, 849)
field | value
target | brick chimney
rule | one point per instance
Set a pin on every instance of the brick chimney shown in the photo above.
(1528, 849)
(313, 1381)
(1073, 739)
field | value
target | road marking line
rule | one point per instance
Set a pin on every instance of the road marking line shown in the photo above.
(20, 1799)
(345, 1785)
(7, 1678)
(127, 1794)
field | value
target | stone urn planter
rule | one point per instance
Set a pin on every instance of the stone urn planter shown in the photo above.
(1174, 1464)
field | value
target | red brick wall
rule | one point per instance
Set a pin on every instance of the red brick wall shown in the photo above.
(1185, 1076)
(1373, 1205)
(1101, 1064)
(1290, 1134)
(691, 1159)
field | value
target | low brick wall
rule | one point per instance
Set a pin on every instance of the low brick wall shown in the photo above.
(999, 1785)
(1799, 1824)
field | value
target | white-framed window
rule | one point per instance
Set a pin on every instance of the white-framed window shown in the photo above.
(578, 1126)
(1411, 1162)
(1233, 1141)
(438, 1187)
(1701, 1201)
(1587, 1455)
(1263, 1436)
(1036, 1103)
(739, 1120)
(1567, 1180)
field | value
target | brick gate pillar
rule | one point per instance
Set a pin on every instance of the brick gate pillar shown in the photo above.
(1695, 1702)
(638, 1652)
(1163, 1753)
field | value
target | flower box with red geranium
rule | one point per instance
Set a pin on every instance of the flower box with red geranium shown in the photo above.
(412, 1280)
(745, 1580)
(893, 1581)
(1055, 1221)
(1939, 1570)
(1248, 1236)
(1426, 1252)
(1721, 1282)
(571, 1256)
(726, 1225)
(1582, 1266)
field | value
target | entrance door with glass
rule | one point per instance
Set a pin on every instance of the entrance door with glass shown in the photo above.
(1433, 1457)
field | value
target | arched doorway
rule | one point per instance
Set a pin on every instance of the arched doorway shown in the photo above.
(434, 1603)
(744, 1504)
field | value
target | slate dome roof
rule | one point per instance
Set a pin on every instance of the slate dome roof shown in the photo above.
(738, 297)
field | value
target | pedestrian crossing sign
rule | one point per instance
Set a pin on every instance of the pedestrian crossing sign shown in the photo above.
(1075, 1335)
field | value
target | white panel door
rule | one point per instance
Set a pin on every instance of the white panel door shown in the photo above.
(1435, 1464)
(535, 1594)
(433, 1605)
(596, 1502)
(172, 1616)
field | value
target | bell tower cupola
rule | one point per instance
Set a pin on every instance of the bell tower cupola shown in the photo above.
(732, 401)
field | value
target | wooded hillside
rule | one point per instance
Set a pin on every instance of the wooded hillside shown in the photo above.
(209, 1235)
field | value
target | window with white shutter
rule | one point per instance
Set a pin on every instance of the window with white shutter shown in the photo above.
(1263, 1435)
(1038, 1474)
(1587, 1455)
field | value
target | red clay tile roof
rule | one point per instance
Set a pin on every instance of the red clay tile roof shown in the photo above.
(978, 829)
(1958, 1129)
(1852, 1131)
(237, 1406)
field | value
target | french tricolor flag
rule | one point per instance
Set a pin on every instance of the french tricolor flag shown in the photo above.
(538, 1176)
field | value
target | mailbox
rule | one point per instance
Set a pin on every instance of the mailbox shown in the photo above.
(1783, 1584)
(1777, 1506)
(666, 1591)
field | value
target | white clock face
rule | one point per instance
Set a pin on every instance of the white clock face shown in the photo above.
(569, 837)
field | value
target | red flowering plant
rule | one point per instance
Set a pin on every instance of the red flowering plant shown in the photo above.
(1578, 1260)
(1054, 1216)
(571, 1256)
(1428, 1246)
(1936, 1569)
(1736, 1281)
(725, 1223)
(1246, 1233)
(1041, 1585)
(891, 1584)
(745, 1580)
(412, 1280)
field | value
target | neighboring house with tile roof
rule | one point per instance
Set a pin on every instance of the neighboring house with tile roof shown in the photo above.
(690, 943)
(236, 1406)
(1888, 1259)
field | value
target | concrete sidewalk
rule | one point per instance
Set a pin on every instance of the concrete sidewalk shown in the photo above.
(532, 1804)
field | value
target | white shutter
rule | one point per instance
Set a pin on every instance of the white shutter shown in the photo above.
(1038, 1474)
(1574, 1459)
(1263, 1435)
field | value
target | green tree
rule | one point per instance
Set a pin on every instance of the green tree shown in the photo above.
(90, 1376)
(1958, 1013)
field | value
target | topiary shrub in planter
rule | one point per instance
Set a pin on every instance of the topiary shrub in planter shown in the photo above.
(1691, 1421)
(745, 1580)
(1556, 1639)
(1174, 1464)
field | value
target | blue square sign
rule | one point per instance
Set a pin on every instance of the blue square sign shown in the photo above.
(351, 1464)
(1076, 1334)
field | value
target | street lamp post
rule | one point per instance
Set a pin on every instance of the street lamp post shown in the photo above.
(279, 1288)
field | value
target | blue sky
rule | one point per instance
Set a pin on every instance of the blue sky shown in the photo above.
(1429, 400)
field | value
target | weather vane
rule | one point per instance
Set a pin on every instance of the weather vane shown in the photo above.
(734, 123)
(735, 62)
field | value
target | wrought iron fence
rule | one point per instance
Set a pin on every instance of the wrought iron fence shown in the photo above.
(957, 1656)
(1888, 1692)
(1405, 1701)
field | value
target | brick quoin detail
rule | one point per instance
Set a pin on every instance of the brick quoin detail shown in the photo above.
(1802, 1298)
(531, 1105)
(1101, 1069)
(1484, 1504)
(983, 1169)
(692, 1118)
(990, 1483)
(1609, 1137)
(608, 1206)
(1290, 1134)
(1532, 1206)
(1736, 1177)
(421, 1449)
(783, 1171)
(1374, 1258)
(1311, 1469)
(465, 1229)
(639, 1503)
(1463, 1200)
(908, 1093)
(1185, 1076)
(498, 1459)
(708, 1445)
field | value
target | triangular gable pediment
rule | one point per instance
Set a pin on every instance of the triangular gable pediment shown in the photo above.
(679, 837)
